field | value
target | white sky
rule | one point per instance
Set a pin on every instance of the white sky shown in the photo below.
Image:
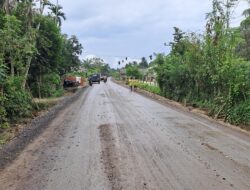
(115, 29)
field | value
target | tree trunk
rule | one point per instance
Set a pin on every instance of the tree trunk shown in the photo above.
(40, 82)
(6, 6)
(27, 68)
(38, 86)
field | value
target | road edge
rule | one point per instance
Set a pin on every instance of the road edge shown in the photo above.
(179, 107)
(11, 150)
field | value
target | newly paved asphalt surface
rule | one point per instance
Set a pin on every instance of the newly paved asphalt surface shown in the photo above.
(111, 138)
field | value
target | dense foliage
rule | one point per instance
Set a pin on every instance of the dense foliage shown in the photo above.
(137, 70)
(96, 65)
(132, 71)
(210, 70)
(34, 56)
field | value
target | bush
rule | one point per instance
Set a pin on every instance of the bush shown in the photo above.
(133, 71)
(5, 125)
(50, 86)
(17, 102)
(240, 114)
(3, 114)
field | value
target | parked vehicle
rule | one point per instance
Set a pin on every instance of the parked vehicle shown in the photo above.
(102, 77)
(105, 78)
(72, 81)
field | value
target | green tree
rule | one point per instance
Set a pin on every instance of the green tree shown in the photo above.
(206, 70)
(96, 65)
(49, 46)
(133, 71)
(69, 57)
(14, 46)
(176, 46)
(32, 49)
(244, 46)
(32, 28)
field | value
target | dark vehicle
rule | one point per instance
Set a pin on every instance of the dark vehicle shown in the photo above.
(94, 79)
(104, 78)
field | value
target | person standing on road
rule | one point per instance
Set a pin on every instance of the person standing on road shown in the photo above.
(130, 83)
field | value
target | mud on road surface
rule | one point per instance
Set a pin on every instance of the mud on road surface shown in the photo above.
(112, 139)
(109, 156)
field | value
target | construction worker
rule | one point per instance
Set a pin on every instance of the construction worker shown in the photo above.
(132, 84)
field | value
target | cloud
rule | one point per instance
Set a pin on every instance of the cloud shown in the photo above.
(133, 28)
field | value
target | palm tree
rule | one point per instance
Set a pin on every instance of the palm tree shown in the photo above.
(246, 13)
(56, 10)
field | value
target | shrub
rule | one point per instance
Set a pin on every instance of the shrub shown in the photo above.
(3, 114)
(240, 114)
(17, 102)
(50, 86)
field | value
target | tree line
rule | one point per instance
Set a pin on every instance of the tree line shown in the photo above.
(96, 65)
(34, 55)
(210, 70)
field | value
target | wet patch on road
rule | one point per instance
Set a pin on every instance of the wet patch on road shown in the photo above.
(102, 95)
(109, 156)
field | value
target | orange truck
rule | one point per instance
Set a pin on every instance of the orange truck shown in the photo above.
(73, 81)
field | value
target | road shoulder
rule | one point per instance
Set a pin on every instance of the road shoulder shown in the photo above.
(193, 112)
(12, 149)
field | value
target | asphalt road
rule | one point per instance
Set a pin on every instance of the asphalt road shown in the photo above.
(114, 139)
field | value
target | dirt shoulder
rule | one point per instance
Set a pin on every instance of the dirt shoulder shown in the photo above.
(22, 135)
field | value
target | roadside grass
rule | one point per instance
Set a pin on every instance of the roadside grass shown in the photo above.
(43, 104)
(148, 87)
